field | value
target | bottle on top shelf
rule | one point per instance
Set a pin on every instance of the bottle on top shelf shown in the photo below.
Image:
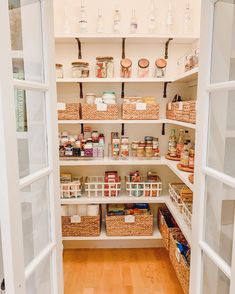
(83, 23)
(134, 22)
(172, 144)
(184, 159)
(152, 17)
(117, 21)
(187, 19)
(169, 18)
(180, 143)
(100, 22)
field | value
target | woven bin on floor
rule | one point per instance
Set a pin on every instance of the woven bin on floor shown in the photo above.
(163, 227)
(90, 112)
(71, 111)
(182, 111)
(182, 268)
(130, 112)
(116, 226)
(88, 227)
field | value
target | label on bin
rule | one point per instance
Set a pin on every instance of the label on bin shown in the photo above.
(61, 106)
(141, 106)
(180, 105)
(177, 254)
(129, 218)
(101, 107)
(169, 106)
(75, 219)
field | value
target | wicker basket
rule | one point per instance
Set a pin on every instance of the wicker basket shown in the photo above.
(131, 111)
(68, 111)
(97, 187)
(88, 227)
(164, 229)
(177, 197)
(93, 112)
(182, 111)
(143, 188)
(181, 266)
(138, 225)
(71, 189)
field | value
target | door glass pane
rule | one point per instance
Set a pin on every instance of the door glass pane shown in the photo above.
(35, 218)
(219, 212)
(214, 280)
(26, 39)
(40, 282)
(223, 70)
(221, 139)
(31, 131)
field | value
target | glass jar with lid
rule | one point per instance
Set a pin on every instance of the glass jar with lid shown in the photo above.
(143, 68)
(126, 68)
(160, 70)
(104, 67)
(59, 71)
(80, 69)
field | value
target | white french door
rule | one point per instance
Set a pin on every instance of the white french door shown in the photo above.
(29, 174)
(213, 254)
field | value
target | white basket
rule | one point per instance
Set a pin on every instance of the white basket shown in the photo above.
(187, 212)
(145, 188)
(97, 187)
(174, 191)
(71, 189)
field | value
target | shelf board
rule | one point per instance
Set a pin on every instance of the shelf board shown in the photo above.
(108, 200)
(179, 219)
(130, 38)
(187, 76)
(123, 121)
(115, 80)
(181, 174)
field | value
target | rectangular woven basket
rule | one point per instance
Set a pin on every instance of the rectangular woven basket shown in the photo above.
(130, 112)
(88, 227)
(163, 227)
(90, 112)
(181, 267)
(116, 226)
(71, 112)
(182, 111)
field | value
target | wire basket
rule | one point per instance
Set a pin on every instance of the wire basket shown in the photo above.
(176, 196)
(187, 209)
(71, 189)
(97, 187)
(144, 188)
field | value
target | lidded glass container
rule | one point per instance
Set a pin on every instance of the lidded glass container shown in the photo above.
(80, 69)
(104, 67)
(143, 68)
(59, 71)
(126, 68)
(160, 68)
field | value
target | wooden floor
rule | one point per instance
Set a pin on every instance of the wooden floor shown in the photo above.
(119, 271)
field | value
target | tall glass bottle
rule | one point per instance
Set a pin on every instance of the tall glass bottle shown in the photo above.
(186, 136)
(134, 23)
(169, 19)
(180, 143)
(172, 144)
(187, 19)
(152, 17)
(117, 21)
(83, 18)
(100, 22)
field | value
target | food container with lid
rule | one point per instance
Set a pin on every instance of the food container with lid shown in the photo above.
(80, 69)
(126, 68)
(59, 71)
(160, 70)
(90, 98)
(143, 68)
(104, 67)
(109, 97)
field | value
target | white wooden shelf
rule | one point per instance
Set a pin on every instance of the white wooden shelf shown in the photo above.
(123, 121)
(187, 76)
(130, 38)
(186, 230)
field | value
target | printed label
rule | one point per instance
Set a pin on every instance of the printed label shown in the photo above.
(180, 105)
(61, 106)
(129, 218)
(101, 107)
(169, 106)
(75, 219)
(141, 106)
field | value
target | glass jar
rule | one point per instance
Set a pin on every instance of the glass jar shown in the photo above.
(160, 70)
(149, 152)
(104, 67)
(59, 71)
(140, 152)
(143, 68)
(90, 98)
(80, 69)
(126, 68)
(109, 97)
(189, 62)
(196, 58)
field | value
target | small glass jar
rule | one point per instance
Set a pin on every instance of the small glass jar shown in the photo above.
(134, 144)
(80, 69)
(189, 62)
(104, 67)
(160, 70)
(196, 58)
(140, 152)
(126, 68)
(124, 151)
(109, 97)
(59, 71)
(90, 98)
(149, 152)
(143, 68)
(142, 144)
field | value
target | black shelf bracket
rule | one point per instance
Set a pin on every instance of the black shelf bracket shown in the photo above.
(165, 89)
(167, 47)
(123, 129)
(123, 90)
(81, 90)
(79, 48)
(82, 129)
(163, 130)
(123, 48)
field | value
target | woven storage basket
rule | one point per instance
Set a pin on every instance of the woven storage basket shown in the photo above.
(129, 111)
(164, 229)
(88, 227)
(182, 268)
(90, 112)
(182, 111)
(71, 111)
(142, 226)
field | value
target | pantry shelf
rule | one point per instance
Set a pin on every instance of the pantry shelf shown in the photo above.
(179, 219)
(130, 38)
(115, 80)
(181, 123)
(187, 76)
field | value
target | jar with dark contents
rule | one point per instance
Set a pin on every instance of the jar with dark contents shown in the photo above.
(126, 68)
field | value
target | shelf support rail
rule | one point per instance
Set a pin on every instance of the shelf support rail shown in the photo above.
(123, 48)
(123, 90)
(123, 129)
(165, 89)
(79, 48)
(167, 47)
(81, 90)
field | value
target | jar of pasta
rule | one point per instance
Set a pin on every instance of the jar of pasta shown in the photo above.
(143, 68)
(104, 67)
(126, 68)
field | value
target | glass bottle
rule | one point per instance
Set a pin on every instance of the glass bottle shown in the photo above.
(152, 17)
(83, 18)
(186, 136)
(187, 18)
(180, 143)
(184, 159)
(172, 144)
(134, 23)
(117, 21)
(100, 22)
(191, 156)
(169, 19)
